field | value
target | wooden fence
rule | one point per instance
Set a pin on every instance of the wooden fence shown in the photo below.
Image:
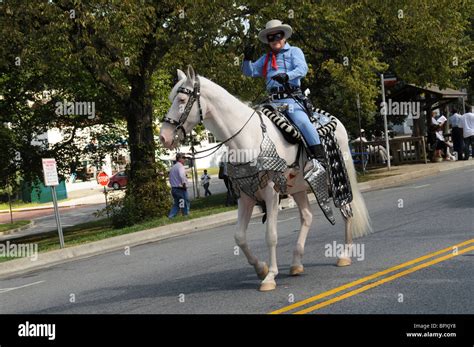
(403, 150)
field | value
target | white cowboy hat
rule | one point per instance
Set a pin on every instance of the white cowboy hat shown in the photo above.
(274, 25)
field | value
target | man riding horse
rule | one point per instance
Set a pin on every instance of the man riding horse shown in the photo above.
(283, 67)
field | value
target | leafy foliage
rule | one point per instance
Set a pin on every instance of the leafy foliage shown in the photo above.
(123, 56)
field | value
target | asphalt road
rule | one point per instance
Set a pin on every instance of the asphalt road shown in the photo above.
(199, 273)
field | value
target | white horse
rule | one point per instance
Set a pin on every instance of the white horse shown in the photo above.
(224, 115)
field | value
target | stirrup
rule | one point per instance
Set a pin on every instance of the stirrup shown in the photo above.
(317, 179)
(316, 166)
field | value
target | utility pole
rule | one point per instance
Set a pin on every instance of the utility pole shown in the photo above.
(361, 144)
(194, 171)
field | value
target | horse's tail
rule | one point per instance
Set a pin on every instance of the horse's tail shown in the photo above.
(361, 224)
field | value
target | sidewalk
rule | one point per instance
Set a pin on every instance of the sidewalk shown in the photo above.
(404, 174)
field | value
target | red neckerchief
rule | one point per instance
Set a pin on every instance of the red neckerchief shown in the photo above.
(265, 64)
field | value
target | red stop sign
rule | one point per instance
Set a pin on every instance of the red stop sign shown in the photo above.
(103, 178)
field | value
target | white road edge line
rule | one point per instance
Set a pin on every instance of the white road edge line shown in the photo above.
(4, 290)
(280, 220)
(422, 186)
(286, 220)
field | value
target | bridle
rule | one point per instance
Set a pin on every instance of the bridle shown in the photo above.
(194, 95)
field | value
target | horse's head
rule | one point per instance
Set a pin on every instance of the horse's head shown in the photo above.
(185, 111)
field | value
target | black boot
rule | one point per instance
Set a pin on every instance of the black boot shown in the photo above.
(317, 152)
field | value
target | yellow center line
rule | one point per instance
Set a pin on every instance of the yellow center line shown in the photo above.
(368, 278)
(382, 281)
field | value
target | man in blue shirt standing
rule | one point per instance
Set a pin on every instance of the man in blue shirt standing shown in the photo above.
(283, 67)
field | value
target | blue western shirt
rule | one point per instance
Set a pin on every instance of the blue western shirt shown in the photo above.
(290, 60)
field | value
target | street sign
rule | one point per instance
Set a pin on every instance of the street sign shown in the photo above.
(103, 178)
(50, 172)
(51, 179)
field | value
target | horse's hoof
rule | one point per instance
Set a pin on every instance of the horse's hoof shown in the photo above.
(268, 286)
(262, 274)
(296, 270)
(344, 262)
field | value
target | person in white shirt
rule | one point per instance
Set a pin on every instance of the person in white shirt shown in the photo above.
(442, 146)
(467, 125)
(456, 133)
(205, 178)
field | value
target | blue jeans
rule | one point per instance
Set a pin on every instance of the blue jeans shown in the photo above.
(181, 201)
(300, 118)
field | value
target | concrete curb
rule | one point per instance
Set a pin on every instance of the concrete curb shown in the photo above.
(11, 231)
(117, 243)
(392, 181)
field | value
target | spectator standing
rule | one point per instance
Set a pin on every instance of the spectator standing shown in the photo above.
(457, 133)
(224, 176)
(205, 178)
(467, 125)
(179, 185)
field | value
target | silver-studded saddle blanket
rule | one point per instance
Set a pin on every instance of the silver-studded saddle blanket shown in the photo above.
(268, 166)
(325, 124)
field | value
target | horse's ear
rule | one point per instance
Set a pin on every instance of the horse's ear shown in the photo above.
(190, 73)
(181, 75)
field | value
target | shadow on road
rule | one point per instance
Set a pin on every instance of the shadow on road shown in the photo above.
(102, 299)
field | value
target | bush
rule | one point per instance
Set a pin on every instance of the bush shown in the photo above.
(147, 196)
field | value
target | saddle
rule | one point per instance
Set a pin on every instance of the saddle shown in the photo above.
(324, 122)
(337, 179)
(282, 122)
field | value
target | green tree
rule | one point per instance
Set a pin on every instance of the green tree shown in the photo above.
(124, 55)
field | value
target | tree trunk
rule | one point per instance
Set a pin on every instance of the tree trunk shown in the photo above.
(147, 194)
(140, 130)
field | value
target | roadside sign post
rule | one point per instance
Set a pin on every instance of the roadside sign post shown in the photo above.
(385, 122)
(103, 179)
(51, 179)
(10, 201)
(197, 193)
(361, 144)
(10, 206)
(105, 194)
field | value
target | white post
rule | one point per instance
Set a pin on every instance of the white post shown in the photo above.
(385, 123)
(361, 144)
(51, 179)
(56, 214)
